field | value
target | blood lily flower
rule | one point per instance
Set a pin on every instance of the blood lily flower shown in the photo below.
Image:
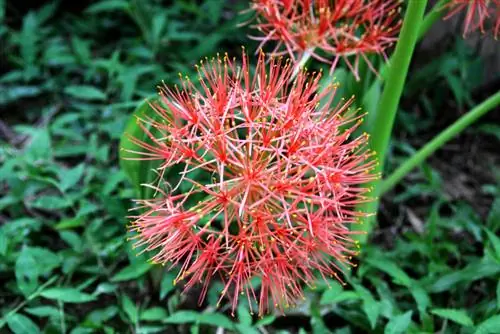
(271, 172)
(328, 30)
(478, 13)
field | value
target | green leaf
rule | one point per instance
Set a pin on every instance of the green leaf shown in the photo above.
(133, 271)
(498, 295)
(26, 272)
(389, 267)
(458, 316)
(370, 306)
(265, 321)
(215, 319)
(28, 39)
(494, 242)
(138, 171)
(167, 284)
(331, 294)
(421, 297)
(130, 309)
(341, 297)
(244, 316)
(474, 271)
(70, 177)
(182, 317)
(398, 324)
(154, 314)
(490, 325)
(73, 239)
(69, 223)
(493, 220)
(40, 145)
(67, 295)
(49, 202)
(107, 6)
(4, 242)
(43, 311)
(85, 92)
(20, 324)
(100, 316)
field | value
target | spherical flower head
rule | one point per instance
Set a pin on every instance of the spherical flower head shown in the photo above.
(478, 14)
(329, 30)
(273, 172)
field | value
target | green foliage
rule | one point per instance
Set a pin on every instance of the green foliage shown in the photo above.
(139, 172)
(69, 87)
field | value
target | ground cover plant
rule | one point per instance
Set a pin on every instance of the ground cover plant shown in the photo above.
(71, 252)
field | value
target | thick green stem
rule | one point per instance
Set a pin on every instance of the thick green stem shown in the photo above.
(438, 141)
(389, 101)
(430, 18)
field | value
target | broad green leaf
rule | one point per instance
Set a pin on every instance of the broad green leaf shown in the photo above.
(247, 329)
(267, 320)
(331, 294)
(73, 239)
(421, 297)
(139, 172)
(472, 272)
(154, 314)
(489, 326)
(244, 316)
(43, 311)
(50, 202)
(100, 316)
(11, 93)
(26, 272)
(133, 271)
(70, 177)
(40, 145)
(494, 243)
(498, 295)
(458, 316)
(28, 39)
(182, 317)
(4, 242)
(389, 267)
(398, 324)
(370, 306)
(2, 11)
(167, 284)
(105, 288)
(20, 324)
(69, 223)
(341, 297)
(130, 309)
(85, 92)
(67, 295)
(493, 221)
(107, 6)
(81, 49)
(215, 319)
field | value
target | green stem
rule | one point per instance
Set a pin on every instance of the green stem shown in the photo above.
(389, 101)
(438, 141)
(34, 295)
(430, 18)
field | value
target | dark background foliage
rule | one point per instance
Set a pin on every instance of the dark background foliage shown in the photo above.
(71, 74)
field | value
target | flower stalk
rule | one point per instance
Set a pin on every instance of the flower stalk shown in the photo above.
(446, 135)
(388, 105)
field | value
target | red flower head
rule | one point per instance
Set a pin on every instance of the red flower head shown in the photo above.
(477, 14)
(274, 176)
(329, 30)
